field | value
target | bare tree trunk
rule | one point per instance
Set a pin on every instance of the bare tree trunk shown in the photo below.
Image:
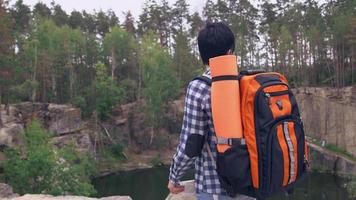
(71, 82)
(44, 89)
(71, 79)
(152, 135)
(54, 86)
(139, 81)
(113, 63)
(34, 76)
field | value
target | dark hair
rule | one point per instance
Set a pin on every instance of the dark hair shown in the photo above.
(215, 39)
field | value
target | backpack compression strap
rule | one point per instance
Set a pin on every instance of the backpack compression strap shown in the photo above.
(221, 140)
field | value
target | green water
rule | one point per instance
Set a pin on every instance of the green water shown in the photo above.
(150, 184)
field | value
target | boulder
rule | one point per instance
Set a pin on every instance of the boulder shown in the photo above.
(58, 118)
(11, 135)
(6, 191)
(81, 141)
(9, 114)
(63, 119)
(11, 129)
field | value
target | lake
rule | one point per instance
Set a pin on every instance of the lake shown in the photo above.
(150, 184)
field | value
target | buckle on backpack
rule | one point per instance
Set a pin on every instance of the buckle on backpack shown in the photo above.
(230, 141)
(227, 141)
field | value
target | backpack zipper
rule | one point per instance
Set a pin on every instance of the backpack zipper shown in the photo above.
(268, 95)
(256, 135)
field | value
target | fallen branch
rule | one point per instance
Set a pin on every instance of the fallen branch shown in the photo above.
(107, 133)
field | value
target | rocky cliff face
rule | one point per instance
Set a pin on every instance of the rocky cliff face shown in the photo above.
(330, 114)
(126, 126)
(64, 121)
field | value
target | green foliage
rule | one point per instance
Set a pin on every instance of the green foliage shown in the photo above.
(117, 151)
(111, 157)
(6, 49)
(38, 168)
(81, 103)
(23, 92)
(130, 88)
(339, 150)
(156, 161)
(48, 55)
(160, 83)
(107, 92)
(118, 42)
(351, 188)
(184, 62)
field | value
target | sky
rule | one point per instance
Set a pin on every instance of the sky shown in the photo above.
(118, 6)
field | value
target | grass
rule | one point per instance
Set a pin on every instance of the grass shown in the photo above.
(333, 148)
(341, 151)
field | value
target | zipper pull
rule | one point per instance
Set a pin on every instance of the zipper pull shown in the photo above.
(268, 97)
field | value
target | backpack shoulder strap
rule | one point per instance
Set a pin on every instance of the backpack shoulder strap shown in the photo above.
(203, 78)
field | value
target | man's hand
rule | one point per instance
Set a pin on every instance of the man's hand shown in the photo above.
(175, 188)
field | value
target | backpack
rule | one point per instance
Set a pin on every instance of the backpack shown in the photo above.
(272, 156)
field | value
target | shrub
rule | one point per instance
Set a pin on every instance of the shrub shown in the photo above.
(38, 168)
(117, 151)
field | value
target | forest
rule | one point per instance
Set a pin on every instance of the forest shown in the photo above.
(98, 61)
(94, 61)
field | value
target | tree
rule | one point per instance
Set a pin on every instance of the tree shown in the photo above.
(38, 168)
(117, 46)
(41, 10)
(196, 24)
(21, 13)
(89, 23)
(59, 16)
(129, 23)
(209, 11)
(107, 93)
(156, 18)
(181, 16)
(75, 20)
(6, 52)
(160, 86)
(102, 23)
(113, 19)
(185, 64)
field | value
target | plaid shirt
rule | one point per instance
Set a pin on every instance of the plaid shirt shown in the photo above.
(197, 120)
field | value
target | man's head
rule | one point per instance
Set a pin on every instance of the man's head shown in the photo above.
(215, 39)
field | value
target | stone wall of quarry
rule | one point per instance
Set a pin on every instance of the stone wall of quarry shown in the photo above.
(329, 114)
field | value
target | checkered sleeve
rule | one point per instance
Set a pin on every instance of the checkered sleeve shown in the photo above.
(193, 123)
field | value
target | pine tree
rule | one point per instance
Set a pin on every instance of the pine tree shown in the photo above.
(21, 14)
(59, 16)
(209, 11)
(6, 52)
(129, 24)
(75, 19)
(41, 10)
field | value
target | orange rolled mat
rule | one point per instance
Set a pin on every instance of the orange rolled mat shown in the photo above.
(225, 99)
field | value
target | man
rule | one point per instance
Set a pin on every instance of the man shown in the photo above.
(196, 145)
